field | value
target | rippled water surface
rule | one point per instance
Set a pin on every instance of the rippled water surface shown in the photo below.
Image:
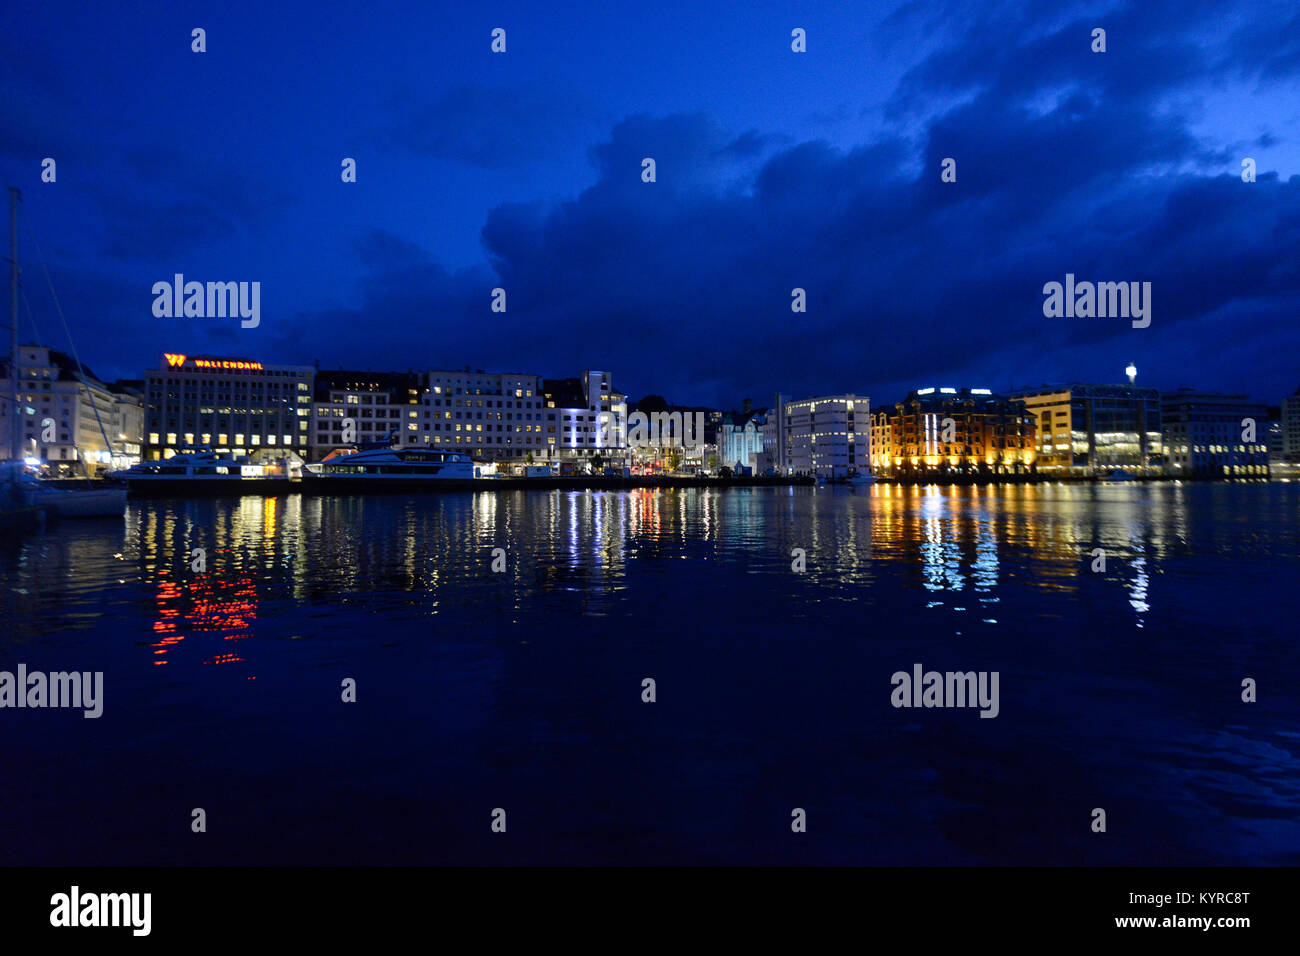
(523, 689)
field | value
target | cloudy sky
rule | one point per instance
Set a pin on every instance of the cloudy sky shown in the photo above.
(775, 170)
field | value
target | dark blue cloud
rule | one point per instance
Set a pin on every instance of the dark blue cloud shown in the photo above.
(1115, 166)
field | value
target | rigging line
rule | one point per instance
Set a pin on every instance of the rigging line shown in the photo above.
(81, 372)
(31, 316)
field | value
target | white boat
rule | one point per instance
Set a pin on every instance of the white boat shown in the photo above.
(59, 499)
(198, 469)
(65, 499)
(863, 479)
(75, 502)
(380, 466)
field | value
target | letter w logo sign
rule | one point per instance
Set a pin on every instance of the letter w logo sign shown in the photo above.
(174, 360)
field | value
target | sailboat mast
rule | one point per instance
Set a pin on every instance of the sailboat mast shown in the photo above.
(15, 419)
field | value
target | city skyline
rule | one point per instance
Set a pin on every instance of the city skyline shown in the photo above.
(235, 403)
(733, 404)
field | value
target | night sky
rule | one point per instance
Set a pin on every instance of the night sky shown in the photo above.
(775, 170)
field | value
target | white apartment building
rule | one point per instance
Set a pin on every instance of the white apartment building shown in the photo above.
(128, 439)
(352, 407)
(490, 416)
(586, 417)
(829, 436)
(72, 423)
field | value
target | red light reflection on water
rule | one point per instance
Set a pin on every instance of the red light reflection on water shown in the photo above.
(205, 604)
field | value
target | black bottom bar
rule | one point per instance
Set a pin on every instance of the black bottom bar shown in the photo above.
(979, 906)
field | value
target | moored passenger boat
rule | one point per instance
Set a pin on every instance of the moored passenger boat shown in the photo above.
(381, 467)
(199, 470)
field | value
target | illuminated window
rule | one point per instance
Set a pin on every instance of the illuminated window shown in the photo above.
(239, 439)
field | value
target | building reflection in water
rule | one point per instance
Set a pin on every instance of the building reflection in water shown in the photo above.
(206, 584)
(428, 556)
(957, 536)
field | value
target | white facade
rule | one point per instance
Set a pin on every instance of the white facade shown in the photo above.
(490, 416)
(829, 437)
(585, 418)
(70, 422)
(363, 407)
(740, 445)
(128, 439)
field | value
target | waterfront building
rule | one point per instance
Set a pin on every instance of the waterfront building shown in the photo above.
(230, 404)
(586, 418)
(72, 423)
(351, 407)
(703, 425)
(772, 459)
(1279, 466)
(828, 436)
(491, 416)
(952, 432)
(1086, 431)
(128, 439)
(1214, 436)
(1291, 427)
(663, 438)
(740, 438)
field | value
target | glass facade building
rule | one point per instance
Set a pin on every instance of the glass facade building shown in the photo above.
(1089, 431)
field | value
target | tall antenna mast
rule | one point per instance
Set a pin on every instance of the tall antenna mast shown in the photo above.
(15, 419)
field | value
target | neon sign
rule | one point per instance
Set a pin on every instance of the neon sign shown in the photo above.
(178, 361)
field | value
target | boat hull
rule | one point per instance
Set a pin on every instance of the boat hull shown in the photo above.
(375, 484)
(91, 503)
(371, 484)
(188, 486)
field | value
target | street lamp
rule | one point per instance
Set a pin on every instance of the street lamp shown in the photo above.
(1131, 372)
